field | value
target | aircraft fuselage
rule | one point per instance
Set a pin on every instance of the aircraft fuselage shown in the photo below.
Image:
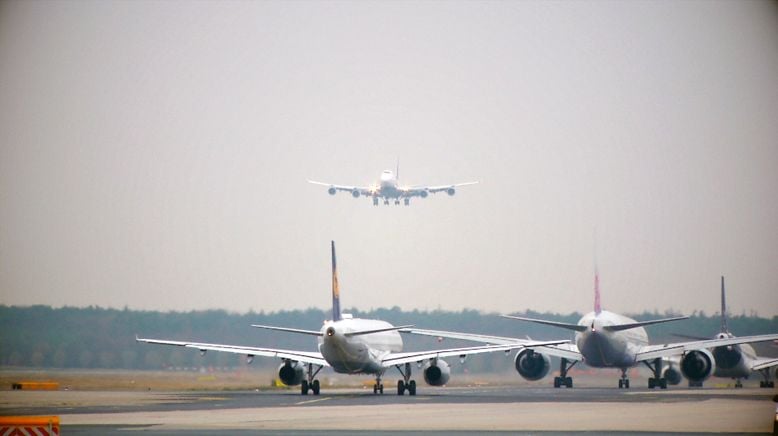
(361, 353)
(601, 348)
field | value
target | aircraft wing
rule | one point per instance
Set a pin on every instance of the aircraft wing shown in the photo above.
(561, 349)
(363, 190)
(419, 356)
(435, 189)
(763, 363)
(653, 351)
(299, 356)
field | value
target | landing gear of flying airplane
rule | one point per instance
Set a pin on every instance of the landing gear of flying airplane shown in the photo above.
(375, 201)
(657, 381)
(406, 383)
(397, 202)
(311, 384)
(407, 201)
(386, 201)
(624, 381)
(563, 379)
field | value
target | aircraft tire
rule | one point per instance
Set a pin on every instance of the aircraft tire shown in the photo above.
(400, 387)
(316, 387)
(412, 387)
(304, 387)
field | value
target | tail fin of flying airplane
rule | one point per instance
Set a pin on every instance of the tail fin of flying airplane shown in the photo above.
(724, 328)
(335, 288)
(597, 306)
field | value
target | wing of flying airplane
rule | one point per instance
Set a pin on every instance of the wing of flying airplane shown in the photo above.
(356, 191)
(311, 357)
(436, 189)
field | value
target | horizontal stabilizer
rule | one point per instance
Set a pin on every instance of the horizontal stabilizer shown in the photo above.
(290, 330)
(367, 332)
(576, 327)
(621, 327)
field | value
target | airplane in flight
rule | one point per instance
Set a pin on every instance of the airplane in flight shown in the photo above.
(389, 188)
(354, 346)
(608, 340)
(737, 361)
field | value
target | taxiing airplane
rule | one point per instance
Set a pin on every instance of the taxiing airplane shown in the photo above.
(389, 188)
(737, 361)
(608, 340)
(355, 346)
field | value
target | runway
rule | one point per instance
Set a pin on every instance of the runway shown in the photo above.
(468, 409)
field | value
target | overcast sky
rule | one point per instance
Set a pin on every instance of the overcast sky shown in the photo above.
(155, 154)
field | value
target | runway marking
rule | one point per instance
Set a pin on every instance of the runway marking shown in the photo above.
(312, 401)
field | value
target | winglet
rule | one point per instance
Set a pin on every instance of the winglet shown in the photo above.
(597, 306)
(335, 288)
(724, 328)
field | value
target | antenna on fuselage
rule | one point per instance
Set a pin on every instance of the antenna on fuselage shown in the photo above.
(335, 288)
(397, 173)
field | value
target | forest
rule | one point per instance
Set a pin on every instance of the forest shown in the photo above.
(94, 337)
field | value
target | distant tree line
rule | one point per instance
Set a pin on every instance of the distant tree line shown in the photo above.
(94, 337)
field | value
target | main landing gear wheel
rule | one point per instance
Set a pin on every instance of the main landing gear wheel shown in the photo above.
(406, 383)
(738, 383)
(563, 379)
(310, 383)
(767, 384)
(378, 389)
(657, 381)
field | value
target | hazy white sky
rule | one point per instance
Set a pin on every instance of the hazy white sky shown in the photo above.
(154, 154)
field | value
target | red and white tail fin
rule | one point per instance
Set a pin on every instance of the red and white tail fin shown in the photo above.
(597, 307)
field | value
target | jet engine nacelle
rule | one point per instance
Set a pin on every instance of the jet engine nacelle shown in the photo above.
(424, 194)
(291, 373)
(437, 373)
(672, 375)
(355, 193)
(698, 365)
(531, 365)
(451, 191)
(332, 191)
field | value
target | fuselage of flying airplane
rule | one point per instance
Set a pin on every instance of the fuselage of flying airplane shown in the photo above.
(389, 188)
